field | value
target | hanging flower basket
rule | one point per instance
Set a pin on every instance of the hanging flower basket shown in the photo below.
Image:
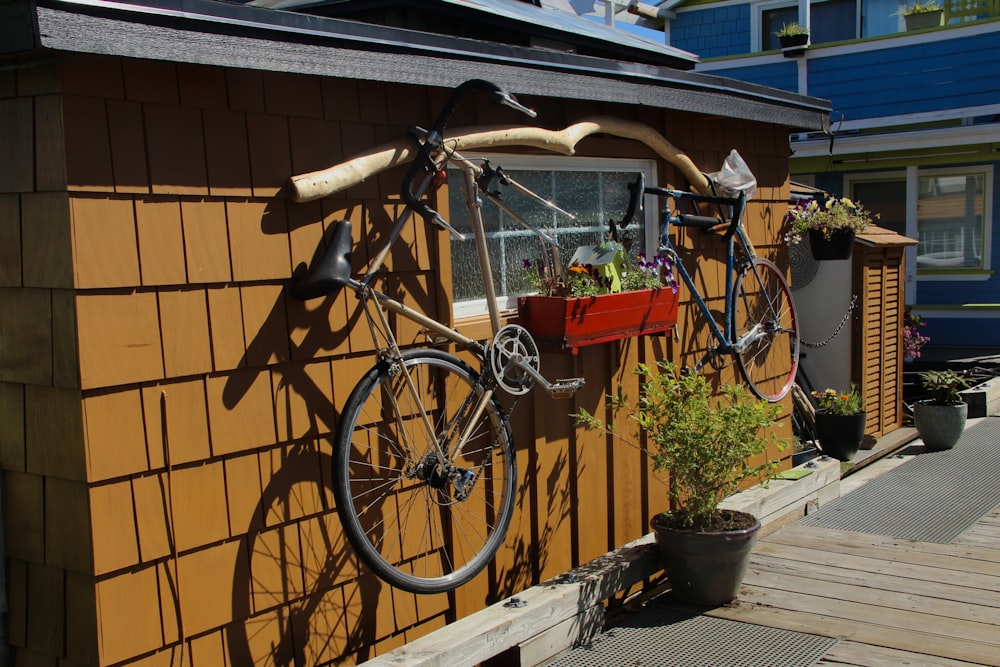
(837, 245)
(566, 323)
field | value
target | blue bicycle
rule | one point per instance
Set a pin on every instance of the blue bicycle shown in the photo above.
(759, 327)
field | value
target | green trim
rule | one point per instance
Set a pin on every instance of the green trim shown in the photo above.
(955, 272)
(926, 157)
(958, 306)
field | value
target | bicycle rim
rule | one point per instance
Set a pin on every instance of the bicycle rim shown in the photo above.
(765, 319)
(407, 521)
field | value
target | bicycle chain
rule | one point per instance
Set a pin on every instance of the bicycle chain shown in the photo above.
(829, 339)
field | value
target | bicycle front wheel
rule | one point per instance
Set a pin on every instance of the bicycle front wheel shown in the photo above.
(425, 518)
(766, 330)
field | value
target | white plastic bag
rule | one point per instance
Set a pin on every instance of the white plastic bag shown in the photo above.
(734, 177)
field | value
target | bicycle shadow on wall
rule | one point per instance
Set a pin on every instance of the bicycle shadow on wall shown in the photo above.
(298, 596)
(290, 604)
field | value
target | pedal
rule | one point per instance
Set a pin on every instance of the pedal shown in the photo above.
(565, 387)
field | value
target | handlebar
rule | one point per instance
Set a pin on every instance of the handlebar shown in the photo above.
(424, 163)
(707, 224)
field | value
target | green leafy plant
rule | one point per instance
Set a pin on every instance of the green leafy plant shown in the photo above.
(833, 402)
(944, 387)
(827, 215)
(707, 443)
(922, 8)
(790, 30)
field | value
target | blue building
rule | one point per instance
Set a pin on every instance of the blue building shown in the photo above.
(914, 132)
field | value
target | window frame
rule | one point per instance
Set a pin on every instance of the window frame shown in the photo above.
(475, 308)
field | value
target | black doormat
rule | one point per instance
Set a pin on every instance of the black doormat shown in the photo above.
(933, 497)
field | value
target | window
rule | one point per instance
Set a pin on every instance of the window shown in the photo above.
(771, 22)
(833, 20)
(950, 215)
(946, 210)
(887, 198)
(593, 189)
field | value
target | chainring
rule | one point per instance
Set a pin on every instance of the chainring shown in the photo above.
(513, 342)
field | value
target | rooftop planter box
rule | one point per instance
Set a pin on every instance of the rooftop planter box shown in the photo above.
(923, 15)
(566, 323)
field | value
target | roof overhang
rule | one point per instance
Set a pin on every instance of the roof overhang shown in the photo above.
(226, 35)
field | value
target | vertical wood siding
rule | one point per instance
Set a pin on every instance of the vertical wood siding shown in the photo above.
(877, 353)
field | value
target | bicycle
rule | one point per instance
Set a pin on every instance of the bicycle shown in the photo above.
(759, 327)
(424, 466)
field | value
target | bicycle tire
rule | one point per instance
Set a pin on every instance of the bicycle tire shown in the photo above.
(763, 305)
(405, 520)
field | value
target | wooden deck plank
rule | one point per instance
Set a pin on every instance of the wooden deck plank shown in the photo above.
(880, 565)
(990, 553)
(872, 596)
(852, 654)
(906, 585)
(863, 631)
(929, 625)
(972, 538)
(949, 556)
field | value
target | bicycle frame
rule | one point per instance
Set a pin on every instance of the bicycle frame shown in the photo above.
(726, 333)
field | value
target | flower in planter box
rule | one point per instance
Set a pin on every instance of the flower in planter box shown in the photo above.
(827, 215)
(618, 273)
(833, 402)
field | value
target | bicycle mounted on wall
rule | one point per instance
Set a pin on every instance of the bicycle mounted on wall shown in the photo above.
(424, 467)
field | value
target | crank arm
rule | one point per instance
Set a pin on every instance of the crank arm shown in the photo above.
(562, 388)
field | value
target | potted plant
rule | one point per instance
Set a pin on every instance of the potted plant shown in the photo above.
(593, 303)
(830, 223)
(793, 38)
(708, 444)
(840, 422)
(922, 15)
(805, 451)
(940, 418)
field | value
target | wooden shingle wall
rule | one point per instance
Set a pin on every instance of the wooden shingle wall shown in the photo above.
(166, 407)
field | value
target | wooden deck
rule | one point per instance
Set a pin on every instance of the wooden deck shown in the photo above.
(890, 601)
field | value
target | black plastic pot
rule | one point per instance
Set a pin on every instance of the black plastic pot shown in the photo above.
(838, 246)
(840, 436)
(704, 569)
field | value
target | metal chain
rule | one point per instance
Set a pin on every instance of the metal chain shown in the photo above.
(847, 316)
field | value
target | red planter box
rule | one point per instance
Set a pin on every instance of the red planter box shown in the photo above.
(559, 323)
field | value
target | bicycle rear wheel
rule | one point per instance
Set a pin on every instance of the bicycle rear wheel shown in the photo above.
(766, 330)
(423, 523)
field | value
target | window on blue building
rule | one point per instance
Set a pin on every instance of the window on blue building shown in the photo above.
(952, 208)
(833, 20)
(950, 221)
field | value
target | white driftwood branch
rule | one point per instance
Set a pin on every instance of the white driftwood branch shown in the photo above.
(317, 184)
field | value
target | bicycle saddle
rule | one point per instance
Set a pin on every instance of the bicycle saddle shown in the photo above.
(330, 269)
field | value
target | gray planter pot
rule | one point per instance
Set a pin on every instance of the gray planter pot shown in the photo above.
(940, 426)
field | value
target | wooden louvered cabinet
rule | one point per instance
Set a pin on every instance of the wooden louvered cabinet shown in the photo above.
(879, 276)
